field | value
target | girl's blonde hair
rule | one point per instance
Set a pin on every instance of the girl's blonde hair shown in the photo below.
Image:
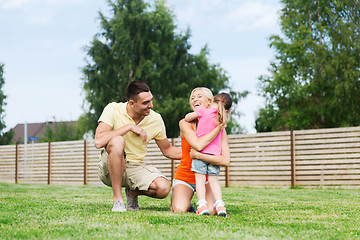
(207, 92)
(224, 102)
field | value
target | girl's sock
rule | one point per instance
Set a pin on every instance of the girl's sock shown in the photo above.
(201, 202)
(219, 203)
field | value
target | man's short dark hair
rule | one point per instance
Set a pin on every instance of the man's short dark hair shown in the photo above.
(134, 88)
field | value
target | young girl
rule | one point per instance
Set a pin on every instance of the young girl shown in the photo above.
(208, 119)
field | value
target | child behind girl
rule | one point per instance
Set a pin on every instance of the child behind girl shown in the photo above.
(208, 119)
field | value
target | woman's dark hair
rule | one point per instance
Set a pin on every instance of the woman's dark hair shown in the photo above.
(134, 88)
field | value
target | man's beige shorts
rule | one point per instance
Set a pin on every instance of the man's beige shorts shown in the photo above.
(137, 176)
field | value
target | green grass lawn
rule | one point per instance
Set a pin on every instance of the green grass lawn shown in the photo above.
(84, 212)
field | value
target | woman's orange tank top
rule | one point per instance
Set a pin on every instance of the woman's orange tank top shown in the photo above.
(183, 171)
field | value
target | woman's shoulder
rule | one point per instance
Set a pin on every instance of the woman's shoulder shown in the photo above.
(183, 124)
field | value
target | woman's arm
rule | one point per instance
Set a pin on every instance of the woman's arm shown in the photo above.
(190, 135)
(221, 160)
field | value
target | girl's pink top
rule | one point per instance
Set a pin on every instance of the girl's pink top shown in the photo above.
(207, 122)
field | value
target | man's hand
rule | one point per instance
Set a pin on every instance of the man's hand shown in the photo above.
(140, 132)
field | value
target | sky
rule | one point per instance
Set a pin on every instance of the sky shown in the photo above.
(42, 47)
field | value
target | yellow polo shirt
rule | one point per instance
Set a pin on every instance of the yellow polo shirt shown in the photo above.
(116, 116)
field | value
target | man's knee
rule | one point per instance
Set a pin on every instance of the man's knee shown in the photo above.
(162, 187)
(116, 144)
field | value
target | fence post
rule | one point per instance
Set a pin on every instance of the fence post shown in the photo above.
(227, 176)
(292, 147)
(85, 163)
(172, 161)
(49, 163)
(16, 163)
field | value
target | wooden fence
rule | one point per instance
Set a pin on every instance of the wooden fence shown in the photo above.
(307, 158)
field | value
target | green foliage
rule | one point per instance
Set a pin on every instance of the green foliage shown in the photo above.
(61, 132)
(139, 42)
(2, 98)
(314, 81)
(5, 137)
(84, 212)
(82, 125)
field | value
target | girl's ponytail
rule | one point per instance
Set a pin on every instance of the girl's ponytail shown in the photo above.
(224, 103)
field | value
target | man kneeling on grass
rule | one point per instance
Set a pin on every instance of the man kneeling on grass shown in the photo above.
(123, 132)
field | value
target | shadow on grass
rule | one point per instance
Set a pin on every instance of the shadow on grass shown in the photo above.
(156, 208)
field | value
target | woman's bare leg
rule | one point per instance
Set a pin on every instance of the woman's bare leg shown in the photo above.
(180, 198)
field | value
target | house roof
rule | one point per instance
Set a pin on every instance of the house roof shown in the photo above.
(33, 130)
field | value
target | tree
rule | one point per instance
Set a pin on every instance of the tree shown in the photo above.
(315, 78)
(5, 137)
(60, 131)
(139, 42)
